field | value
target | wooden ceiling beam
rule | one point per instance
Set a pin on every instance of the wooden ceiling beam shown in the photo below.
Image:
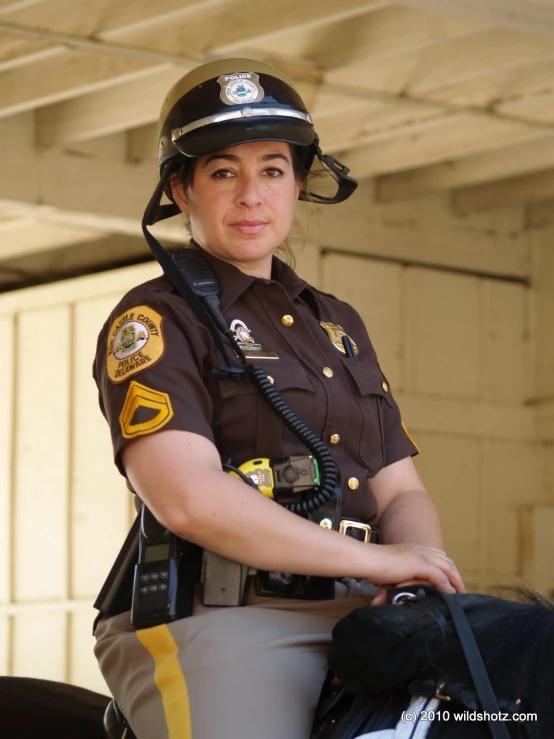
(444, 69)
(136, 103)
(431, 142)
(76, 190)
(511, 192)
(470, 170)
(525, 15)
(27, 236)
(49, 30)
(211, 28)
(384, 32)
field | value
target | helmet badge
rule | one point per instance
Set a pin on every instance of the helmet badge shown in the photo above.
(241, 88)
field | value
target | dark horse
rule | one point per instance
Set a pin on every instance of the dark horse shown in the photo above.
(31, 708)
(381, 656)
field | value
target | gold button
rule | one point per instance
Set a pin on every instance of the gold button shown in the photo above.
(287, 320)
(270, 378)
(385, 386)
(353, 483)
(328, 372)
(335, 438)
(326, 523)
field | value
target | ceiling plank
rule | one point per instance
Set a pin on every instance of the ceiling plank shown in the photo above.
(525, 15)
(444, 138)
(514, 191)
(90, 23)
(26, 88)
(53, 191)
(67, 260)
(382, 34)
(26, 236)
(471, 170)
(23, 89)
(77, 119)
(11, 6)
(105, 111)
(446, 64)
(111, 110)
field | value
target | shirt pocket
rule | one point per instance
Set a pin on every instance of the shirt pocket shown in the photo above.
(375, 401)
(256, 429)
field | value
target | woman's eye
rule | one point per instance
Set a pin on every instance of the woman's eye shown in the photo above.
(274, 172)
(222, 174)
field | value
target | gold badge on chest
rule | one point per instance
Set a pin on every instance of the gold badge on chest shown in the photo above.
(335, 333)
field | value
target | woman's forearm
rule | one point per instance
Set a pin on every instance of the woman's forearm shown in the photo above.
(411, 518)
(236, 521)
(201, 503)
(179, 477)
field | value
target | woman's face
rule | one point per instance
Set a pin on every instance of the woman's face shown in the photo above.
(241, 203)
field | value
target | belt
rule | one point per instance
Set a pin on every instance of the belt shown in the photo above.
(312, 587)
(357, 530)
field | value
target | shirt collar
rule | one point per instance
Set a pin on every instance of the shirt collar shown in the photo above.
(233, 282)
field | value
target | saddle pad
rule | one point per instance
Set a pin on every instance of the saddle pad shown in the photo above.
(410, 725)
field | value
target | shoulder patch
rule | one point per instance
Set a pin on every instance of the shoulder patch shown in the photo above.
(135, 342)
(144, 411)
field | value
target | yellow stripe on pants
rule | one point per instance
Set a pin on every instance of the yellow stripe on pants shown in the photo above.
(169, 679)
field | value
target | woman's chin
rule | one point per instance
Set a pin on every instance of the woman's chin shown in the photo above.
(254, 245)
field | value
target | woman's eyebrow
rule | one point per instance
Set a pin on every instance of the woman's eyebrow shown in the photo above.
(267, 157)
(234, 158)
(229, 157)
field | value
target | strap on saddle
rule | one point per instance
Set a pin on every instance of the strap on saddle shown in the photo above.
(413, 596)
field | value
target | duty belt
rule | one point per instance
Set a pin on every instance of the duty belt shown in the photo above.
(227, 583)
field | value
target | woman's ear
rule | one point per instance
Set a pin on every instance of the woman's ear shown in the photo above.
(179, 195)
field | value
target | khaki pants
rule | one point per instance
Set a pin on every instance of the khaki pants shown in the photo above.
(225, 673)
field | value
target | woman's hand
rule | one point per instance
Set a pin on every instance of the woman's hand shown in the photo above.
(404, 564)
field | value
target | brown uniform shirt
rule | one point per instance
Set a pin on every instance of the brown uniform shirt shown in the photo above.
(154, 361)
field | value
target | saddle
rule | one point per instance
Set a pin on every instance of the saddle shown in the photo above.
(383, 656)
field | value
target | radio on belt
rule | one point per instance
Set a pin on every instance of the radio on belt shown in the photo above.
(156, 574)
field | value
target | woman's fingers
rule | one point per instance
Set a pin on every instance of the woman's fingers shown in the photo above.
(411, 562)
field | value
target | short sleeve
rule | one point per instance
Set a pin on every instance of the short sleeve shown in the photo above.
(149, 370)
(397, 440)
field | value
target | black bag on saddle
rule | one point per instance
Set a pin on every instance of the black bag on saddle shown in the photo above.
(424, 644)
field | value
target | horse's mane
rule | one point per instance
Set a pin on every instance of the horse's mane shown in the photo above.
(517, 644)
(384, 649)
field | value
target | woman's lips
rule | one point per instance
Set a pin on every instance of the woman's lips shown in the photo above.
(249, 227)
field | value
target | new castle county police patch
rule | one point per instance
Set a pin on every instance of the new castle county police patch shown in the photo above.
(135, 343)
(241, 88)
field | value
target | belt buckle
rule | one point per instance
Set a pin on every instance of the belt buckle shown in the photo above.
(346, 524)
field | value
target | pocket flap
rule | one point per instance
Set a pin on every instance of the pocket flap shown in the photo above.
(369, 379)
(287, 373)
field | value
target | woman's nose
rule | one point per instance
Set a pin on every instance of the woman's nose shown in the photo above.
(248, 191)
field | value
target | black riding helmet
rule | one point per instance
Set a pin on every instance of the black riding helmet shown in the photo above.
(236, 101)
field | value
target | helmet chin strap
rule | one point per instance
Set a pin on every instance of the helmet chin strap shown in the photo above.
(155, 211)
(339, 172)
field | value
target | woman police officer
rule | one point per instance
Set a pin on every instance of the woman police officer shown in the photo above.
(236, 144)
